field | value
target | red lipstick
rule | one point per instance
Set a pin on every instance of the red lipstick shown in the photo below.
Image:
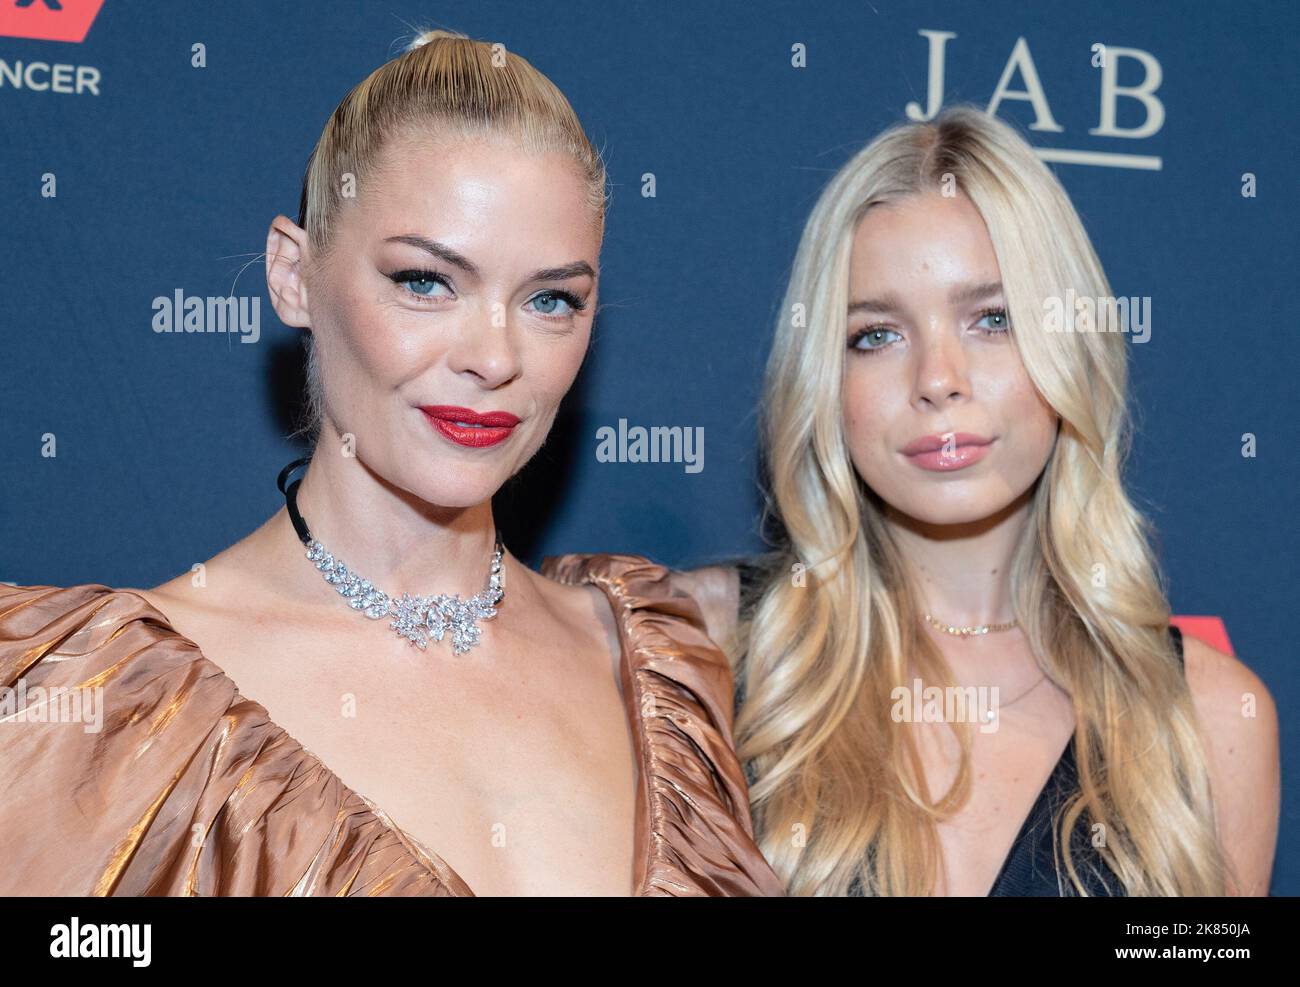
(465, 427)
(946, 452)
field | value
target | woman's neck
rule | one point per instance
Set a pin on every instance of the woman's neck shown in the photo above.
(961, 573)
(387, 535)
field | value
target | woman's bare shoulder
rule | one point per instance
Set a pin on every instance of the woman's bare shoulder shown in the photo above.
(228, 591)
(1239, 724)
(200, 591)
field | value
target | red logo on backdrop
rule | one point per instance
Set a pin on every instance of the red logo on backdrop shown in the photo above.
(48, 20)
(1211, 630)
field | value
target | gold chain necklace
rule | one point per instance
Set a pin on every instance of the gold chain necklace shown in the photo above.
(985, 629)
(969, 631)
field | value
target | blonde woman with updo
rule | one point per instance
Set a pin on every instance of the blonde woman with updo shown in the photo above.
(944, 477)
(513, 733)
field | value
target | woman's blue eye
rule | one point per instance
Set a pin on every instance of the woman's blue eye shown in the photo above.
(872, 337)
(422, 283)
(1000, 322)
(548, 299)
(424, 286)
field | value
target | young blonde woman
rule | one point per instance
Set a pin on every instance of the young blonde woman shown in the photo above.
(511, 733)
(945, 473)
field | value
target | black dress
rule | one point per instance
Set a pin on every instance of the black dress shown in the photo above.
(1031, 869)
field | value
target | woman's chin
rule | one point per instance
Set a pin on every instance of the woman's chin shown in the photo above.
(950, 510)
(460, 492)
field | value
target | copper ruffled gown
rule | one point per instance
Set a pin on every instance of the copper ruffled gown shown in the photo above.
(189, 788)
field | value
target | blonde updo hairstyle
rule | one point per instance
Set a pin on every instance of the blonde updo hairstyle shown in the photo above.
(446, 87)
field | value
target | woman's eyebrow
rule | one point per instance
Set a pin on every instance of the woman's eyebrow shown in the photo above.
(884, 304)
(574, 269)
(439, 250)
(961, 294)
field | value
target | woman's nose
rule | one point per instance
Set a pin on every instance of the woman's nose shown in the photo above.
(486, 348)
(941, 371)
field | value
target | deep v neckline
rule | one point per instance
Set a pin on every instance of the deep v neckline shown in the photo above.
(1021, 866)
(437, 864)
(1021, 840)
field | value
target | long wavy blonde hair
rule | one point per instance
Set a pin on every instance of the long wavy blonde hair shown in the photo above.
(837, 791)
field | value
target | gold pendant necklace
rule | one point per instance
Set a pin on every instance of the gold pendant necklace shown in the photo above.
(990, 715)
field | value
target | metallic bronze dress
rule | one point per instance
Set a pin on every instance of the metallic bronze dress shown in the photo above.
(189, 788)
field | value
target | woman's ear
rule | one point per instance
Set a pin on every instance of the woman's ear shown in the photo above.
(287, 249)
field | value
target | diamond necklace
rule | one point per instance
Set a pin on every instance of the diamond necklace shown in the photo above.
(414, 617)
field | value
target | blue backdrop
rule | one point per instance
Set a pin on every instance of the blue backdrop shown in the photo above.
(169, 174)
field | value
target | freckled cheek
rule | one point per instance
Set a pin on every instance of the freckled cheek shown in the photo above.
(1021, 410)
(866, 416)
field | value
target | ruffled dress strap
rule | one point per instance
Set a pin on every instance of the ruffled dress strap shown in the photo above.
(677, 685)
